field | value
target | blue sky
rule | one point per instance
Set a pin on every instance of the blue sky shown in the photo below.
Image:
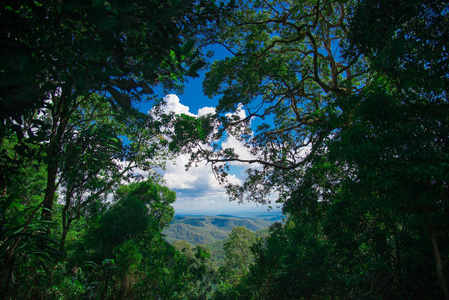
(198, 192)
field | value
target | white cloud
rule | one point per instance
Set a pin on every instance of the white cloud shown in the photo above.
(199, 179)
(197, 189)
(206, 111)
(239, 112)
(172, 104)
(243, 152)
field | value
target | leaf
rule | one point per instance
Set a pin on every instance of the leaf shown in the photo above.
(194, 55)
(193, 71)
(91, 130)
(51, 249)
(146, 88)
(193, 74)
(196, 66)
(97, 3)
(109, 23)
(91, 264)
(121, 100)
(112, 138)
(188, 47)
(4, 205)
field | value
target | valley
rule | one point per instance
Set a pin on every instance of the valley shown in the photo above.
(200, 230)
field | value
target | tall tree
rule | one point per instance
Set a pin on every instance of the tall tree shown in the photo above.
(58, 51)
(94, 160)
(238, 254)
(127, 236)
(69, 70)
(410, 59)
(284, 69)
(358, 136)
(200, 274)
(382, 176)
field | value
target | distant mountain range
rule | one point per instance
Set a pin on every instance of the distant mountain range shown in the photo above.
(210, 229)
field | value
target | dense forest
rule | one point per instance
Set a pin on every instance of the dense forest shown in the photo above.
(346, 119)
(209, 229)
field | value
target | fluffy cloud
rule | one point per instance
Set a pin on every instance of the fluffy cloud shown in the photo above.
(198, 178)
(243, 152)
(240, 113)
(172, 104)
(197, 189)
(206, 111)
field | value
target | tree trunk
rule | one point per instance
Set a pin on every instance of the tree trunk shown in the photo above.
(50, 190)
(61, 113)
(439, 265)
(436, 251)
(65, 231)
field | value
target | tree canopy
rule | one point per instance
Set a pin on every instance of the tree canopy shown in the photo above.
(341, 104)
(285, 71)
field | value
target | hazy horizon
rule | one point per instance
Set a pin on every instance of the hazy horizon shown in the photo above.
(244, 212)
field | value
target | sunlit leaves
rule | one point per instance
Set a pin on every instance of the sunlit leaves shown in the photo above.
(285, 70)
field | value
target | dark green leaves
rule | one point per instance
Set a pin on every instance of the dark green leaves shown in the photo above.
(187, 48)
(194, 68)
(123, 100)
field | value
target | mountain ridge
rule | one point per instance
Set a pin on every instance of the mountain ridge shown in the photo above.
(209, 229)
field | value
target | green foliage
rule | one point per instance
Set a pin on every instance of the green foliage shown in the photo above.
(366, 205)
(127, 255)
(139, 210)
(217, 248)
(404, 39)
(373, 193)
(114, 46)
(407, 178)
(189, 130)
(350, 102)
(27, 254)
(238, 258)
(284, 72)
(201, 275)
(293, 262)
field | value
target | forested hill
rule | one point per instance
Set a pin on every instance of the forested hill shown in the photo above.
(209, 229)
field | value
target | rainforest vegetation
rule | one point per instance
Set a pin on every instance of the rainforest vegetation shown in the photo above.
(346, 119)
